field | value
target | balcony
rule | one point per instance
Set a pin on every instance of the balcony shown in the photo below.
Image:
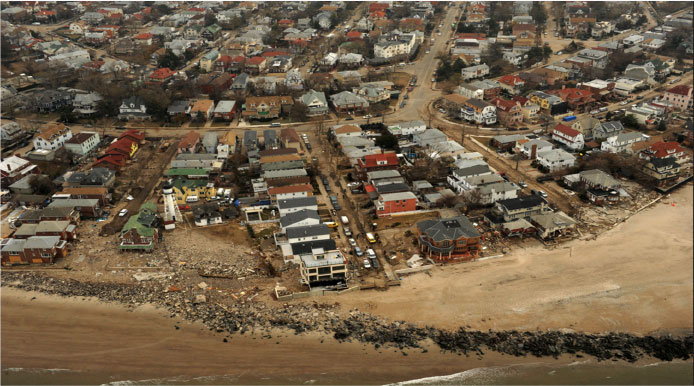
(434, 248)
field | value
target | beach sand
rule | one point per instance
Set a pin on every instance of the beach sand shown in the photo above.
(107, 343)
(635, 278)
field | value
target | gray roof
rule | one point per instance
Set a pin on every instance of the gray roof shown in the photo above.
(501, 186)
(301, 215)
(392, 188)
(26, 230)
(539, 142)
(553, 220)
(195, 156)
(521, 202)
(307, 247)
(311, 95)
(348, 98)
(431, 134)
(284, 173)
(299, 202)
(210, 139)
(398, 196)
(556, 155)
(472, 170)
(509, 138)
(378, 174)
(41, 242)
(598, 177)
(52, 226)
(485, 179)
(74, 202)
(448, 228)
(13, 245)
(224, 107)
(308, 231)
(611, 127)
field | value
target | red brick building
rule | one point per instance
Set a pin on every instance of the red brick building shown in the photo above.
(390, 203)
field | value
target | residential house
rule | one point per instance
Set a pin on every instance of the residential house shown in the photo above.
(280, 193)
(82, 143)
(346, 131)
(478, 71)
(555, 160)
(665, 170)
(86, 104)
(290, 205)
(140, 232)
(530, 148)
(304, 217)
(87, 207)
(448, 239)
(208, 60)
(13, 169)
(225, 110)
(189, 190)
(52, 137)
(572, 138)
(347, 102)
(189, 143)
(680, 97)
(621, 143)
(322, 267)
(256, 65)
(144, 39)
(407, 128)
(576, 99)
(607, 129)
(211, 32)
(96, 192)
(509, 112)
(290, 139)
(34, 250)
(392, 203)
(374, 162)
(133, 108)
(600, 186)
(512, 84)
(316, 103)
(266, 107)
(529, 109)
(372, 94)
(52, 100)
(507, 142)
(62, 229)
(662, 150)
(550, 103)
(240, 83)
(429, 137)
(202, 109)
(598, 58)
(552, 225)
(478, 111)
(586, 126)
(209, 142)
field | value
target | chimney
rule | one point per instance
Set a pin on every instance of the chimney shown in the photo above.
(533, 152)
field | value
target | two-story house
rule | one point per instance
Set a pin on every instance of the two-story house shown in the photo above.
(133, 108)
(52, 137)
(478, 111)
(621, 143)
(571, 138)
(448, 239)
(509, 113)
(390, 203)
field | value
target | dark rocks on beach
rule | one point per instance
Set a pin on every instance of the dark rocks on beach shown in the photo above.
(363, 327)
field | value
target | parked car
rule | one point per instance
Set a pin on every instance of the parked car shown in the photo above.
(358, 251)
(542, 193)
(347, 231)
(522, 184)
(367, 265)
(352, 243)
(122, 212)
(349, 118)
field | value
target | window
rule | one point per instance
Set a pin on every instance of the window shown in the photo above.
(46, 255)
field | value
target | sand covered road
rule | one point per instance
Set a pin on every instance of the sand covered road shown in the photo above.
(636, 278)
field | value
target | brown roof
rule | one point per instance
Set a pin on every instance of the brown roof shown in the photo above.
(347, 129)
(279, 158)
(202, 106)
(51, 130)
(290, 189)
(288, 181)
(189, 139)
(101, 191)
(289, 135)
(455, 98)
(80, 138)
(274, 152)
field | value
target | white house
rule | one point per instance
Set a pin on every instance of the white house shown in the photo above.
(82, 143)
(292, 205)
(308, 233)
(497, 191)
(52, 137)
(626, 86)
(540, 145)
(389, 49)
(572, 138)
(478, 111)
(623, 142)
(304, 217)
(556, 159)
(407, 128)
(473, 72)
(79, 27)
(133, 108)
(316, 102)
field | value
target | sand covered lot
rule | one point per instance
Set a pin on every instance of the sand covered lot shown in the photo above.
(636, 277)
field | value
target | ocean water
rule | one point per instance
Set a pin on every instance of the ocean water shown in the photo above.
(586, 372)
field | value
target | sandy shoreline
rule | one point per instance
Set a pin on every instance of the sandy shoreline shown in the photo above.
(101, 339)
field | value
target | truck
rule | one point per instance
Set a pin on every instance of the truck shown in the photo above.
(345, 220)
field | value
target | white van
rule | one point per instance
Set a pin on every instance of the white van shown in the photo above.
(345, 220)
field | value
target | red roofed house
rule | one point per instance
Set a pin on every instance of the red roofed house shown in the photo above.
(144, 38)
(44, 15)
(509, 113)
(576, 98)
(354, 35)
(570, 137)
(237, 63)
(124, 147)
(285, 23)
(189, 143)
(513, 84)
(377, 15)
(113, 162)
(272, 54)
(664, 150)
(133, 135)
(256, 64)
(680, 96)
(161, 75)
(378, 7)
(223, 63)
(373, 162)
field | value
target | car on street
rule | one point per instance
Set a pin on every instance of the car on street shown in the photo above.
(347, 231)
(352, 243)
(358, 251)
(623, 103)
(370, 238)
(522, 184)
(367, 116)
(367, 265)
(349, 119)
(122, 212)
(542, 193)
(427, 51)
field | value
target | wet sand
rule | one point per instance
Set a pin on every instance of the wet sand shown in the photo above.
(107, 342)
